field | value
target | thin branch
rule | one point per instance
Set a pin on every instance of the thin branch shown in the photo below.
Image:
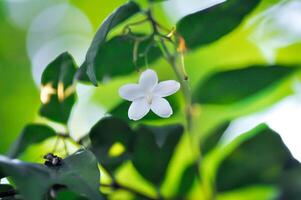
(55, 144)
(65, 147)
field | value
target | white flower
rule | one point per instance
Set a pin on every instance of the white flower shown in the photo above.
(148, 95)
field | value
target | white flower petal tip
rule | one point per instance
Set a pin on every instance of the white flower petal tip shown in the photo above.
(167, 88)
(148, 80)
(138, 109)
(148, 95)
(161, 107)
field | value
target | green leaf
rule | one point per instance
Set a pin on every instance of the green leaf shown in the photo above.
(31, 134)
(236, 85)
(58, 92)
(7, 192)
(213, 138)
(67, 194)
(115, 57)
(260, 159)
(290, 185)
(188, 178)
(33, 188)
(1, 174)
(5, 188)
(207, 26)
(118, 16)
(78, 172)
(153, 149)
(107, 133)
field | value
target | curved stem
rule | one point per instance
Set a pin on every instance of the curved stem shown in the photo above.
(172, 60)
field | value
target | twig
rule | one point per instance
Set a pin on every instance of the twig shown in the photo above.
(171, 59)
(65, 147)
(55, 144)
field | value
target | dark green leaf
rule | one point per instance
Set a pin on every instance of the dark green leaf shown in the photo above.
(213, 138)
(188, 178)
(7, 192)
(31, 134)
(4, 188)
(104, 135)
(260, 159)
(67, 194)
(1, 174)
(33, 188)
(79, 173)
(209, 25)
(115, 57)
(58, 92)
(236, 85)
(153, 150)
(118, 16)
(290, 185)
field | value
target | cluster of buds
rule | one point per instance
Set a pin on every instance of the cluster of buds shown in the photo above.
(52, 160)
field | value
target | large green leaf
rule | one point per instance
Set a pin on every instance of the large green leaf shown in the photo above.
(118, 16)
(78, 172)
(107, 133)
(188, 178)
(34, 188)
(58, 92)
(236, 85)
(115, 57)
(6, 192)
(209, 25)
(259, 159)
(31, 134)
(153, 149)
(208, 143)
(67, 194)
(290, 185)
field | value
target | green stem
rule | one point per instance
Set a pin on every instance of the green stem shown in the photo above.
(194, 143)
(172, 60)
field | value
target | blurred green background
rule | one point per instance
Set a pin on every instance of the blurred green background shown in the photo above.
(34, 32)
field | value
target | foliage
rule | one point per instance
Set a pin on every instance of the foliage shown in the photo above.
(176, 158)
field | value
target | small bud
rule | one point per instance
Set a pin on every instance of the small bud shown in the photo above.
(182, 45)
(52, 160)
(48, 156)
(55, 161)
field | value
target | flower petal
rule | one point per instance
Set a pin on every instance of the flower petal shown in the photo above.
(166, 88)
(138, 109)
(131, 92)
(148, 80)
(161, 107)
